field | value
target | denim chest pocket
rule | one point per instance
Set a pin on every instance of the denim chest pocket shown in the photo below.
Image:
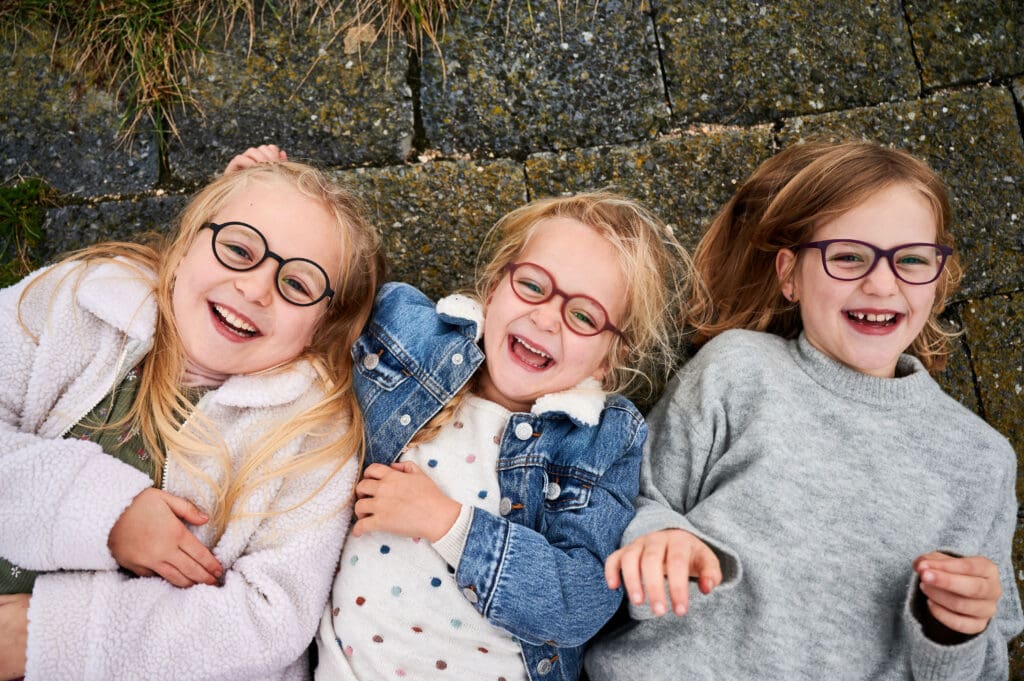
(375, 363)
(566, 490)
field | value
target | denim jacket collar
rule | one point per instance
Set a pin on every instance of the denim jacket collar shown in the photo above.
(581, 403)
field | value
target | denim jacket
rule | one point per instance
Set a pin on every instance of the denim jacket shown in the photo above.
(568, 472)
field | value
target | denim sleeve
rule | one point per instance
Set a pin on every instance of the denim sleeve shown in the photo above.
(549, 586)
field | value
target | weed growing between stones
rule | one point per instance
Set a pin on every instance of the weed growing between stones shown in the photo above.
(21, 220)
(146, 50)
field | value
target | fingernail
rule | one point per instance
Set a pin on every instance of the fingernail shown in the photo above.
(659, 609)
(928, 576)
(680, 610)
(638, 600)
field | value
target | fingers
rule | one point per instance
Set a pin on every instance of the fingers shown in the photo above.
(265, 153)
(185, 509)
(957, 621)
(963, 593)
(611, 569)
(173, 575)
(677, 568)
(653, 572)
(201, 565)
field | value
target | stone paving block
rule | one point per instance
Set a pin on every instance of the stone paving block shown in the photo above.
(433, 217)
(973, 140)
(685, 179)
(300, 89)
(962, 42)
(747, 61)
(72, 227)
(957, 378)
(519, 77)
(63, 128)
(995, 335)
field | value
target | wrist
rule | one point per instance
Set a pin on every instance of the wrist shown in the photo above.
(444, 519)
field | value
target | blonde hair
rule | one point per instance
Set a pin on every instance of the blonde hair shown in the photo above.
(657, 270)
(781, 205)
(160, 406)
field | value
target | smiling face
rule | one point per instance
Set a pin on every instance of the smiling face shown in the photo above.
(867, 323)
(237, 322)
(530, 351)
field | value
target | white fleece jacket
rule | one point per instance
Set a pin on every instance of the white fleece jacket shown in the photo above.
(59, 499)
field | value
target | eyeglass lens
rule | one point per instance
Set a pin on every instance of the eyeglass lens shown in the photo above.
(582, 315)
(914, 263)
(240, 247)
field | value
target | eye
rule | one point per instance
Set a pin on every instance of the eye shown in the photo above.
(293, 284)
(239, 252)
(583, 318)
(846, 256)
(911, 260)
(528, 288)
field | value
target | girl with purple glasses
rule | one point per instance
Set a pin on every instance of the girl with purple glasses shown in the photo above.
(861, 518)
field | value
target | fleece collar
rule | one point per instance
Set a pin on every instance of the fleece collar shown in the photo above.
(582, 403)
(122, 296)
(269, 388)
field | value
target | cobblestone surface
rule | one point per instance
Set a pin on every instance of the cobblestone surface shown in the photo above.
(670, 101)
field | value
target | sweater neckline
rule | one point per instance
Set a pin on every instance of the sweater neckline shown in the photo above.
(910, 385)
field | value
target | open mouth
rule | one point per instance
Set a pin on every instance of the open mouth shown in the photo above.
(529, 355)
(878, 320)
(232, 322)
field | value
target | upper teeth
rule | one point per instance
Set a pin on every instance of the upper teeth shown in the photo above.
(533, 349)
(233, 320)
(886, 317)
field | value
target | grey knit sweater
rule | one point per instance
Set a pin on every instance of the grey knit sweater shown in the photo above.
(817, 486)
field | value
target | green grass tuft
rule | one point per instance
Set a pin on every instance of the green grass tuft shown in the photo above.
(22, 208)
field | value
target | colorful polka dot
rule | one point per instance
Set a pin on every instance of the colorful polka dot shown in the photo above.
(335, 611)
(482, 494)
(483, 650)
(456, 624)
(441, 664)
(385, 549)
(396, 591)
(377, 638)
(497, 439)
(459, 424)
(353, 560)
(432, 463)
(399, 672)
(348, 651)
(417, 630)
(435, 582)
(416, 540)
(471, 458)
(360, 600)
(451, 570)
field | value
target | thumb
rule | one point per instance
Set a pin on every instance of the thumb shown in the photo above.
(708, 569)
(186, 510)
(405, 467)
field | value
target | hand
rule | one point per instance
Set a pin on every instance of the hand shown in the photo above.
(150, 538)
(402, 499)
(963, 593)
(13, 635)
(649, 559)
(265, 153)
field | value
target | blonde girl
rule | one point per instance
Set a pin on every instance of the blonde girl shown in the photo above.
(141, 384)
(502, 463)
(862, 518)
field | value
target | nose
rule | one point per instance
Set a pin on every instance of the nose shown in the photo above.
(257, 285)
(547, 316)
(881, 280)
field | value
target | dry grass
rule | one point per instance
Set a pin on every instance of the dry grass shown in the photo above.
(146, 50)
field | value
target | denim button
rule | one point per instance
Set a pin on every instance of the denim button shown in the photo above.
(404, 419)
(371, 361)
(554, 489)
(457, 359)
(544, 666)
(505, 506)
(524, 431)
(470, 595)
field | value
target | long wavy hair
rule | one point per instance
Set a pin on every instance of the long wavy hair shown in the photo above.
(161, 406)
(657, 270)
(781, 205)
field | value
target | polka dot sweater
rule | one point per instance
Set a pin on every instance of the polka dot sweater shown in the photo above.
(396, 611)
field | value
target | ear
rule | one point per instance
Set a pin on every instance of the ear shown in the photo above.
(785, 268)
